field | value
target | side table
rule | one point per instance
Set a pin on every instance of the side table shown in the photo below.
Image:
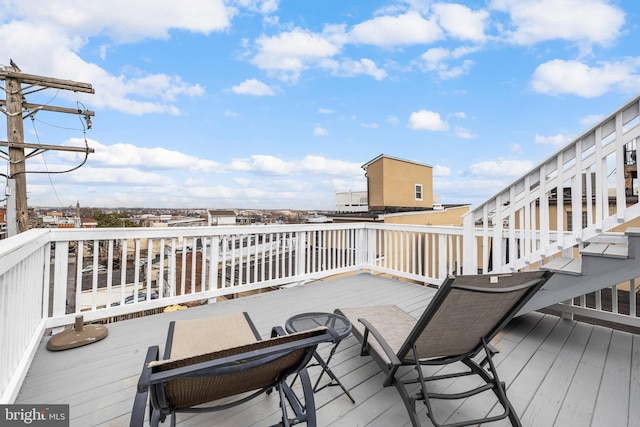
(339, 324)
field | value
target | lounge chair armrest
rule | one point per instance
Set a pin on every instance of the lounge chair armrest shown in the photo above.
(140, 401)
(370, 329)
(152, 355)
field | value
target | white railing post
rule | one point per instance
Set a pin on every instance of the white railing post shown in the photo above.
(368, 247)
(60, 274)
(469, 244)
(300, 253)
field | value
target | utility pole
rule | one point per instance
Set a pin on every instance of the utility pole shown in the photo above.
(16, 108)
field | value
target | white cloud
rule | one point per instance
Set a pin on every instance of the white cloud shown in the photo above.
(427, 120)
(286, 55)
(393, 120)
(252, 87)
(77, 17)
(436, 55)
(56, 37)
(573, 77)
(555, 140)
(348, 67)
(461, 22)
(269, 164)
(120, 155)
(355, 184)
(468, 190)
(584, 21)
(325, 111)
(310, 164)
(319, 164)
(440, 171)
(500, 168)
(515, 148)
(465, 133)
(387, 31)
(260, 6)
(591, 119)
(437, 59)
(128, 175)
(53, 51)
(320, 131)
(370, 125)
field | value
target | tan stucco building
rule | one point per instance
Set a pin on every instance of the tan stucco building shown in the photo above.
(398, 185)
(401, 192)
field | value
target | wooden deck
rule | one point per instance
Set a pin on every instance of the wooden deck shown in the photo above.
(558, 372)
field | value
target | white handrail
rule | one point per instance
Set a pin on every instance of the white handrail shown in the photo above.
(525, 223)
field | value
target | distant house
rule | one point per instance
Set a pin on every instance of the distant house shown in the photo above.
(88, 223)
(352, 201)
(221, 217)
(398, 185)
(400, 192)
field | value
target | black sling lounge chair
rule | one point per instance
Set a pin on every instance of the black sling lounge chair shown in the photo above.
(464, 316)
(213, 359)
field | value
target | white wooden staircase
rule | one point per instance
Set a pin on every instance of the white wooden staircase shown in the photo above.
(562, 214)
(599, 265)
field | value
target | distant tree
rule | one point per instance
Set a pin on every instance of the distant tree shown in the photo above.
(111, 220)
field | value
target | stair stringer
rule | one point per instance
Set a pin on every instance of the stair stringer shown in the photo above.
(597, 272)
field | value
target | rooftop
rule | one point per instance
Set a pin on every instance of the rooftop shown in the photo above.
(558, 372)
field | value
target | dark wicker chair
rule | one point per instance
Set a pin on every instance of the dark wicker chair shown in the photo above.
(457, 326)
(209, 360)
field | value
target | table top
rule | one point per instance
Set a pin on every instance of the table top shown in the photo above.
(301, 322)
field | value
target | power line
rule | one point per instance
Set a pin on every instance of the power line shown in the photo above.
(16, 108)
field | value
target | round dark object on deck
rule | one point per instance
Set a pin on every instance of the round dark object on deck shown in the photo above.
(78, 336)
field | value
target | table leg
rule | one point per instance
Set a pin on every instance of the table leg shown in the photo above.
(334, 378)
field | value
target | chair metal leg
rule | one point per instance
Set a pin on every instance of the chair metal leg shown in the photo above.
(492, 382)
(283, 408)
(409, 401)
(303, 412)
(309, 399)
(334, 379)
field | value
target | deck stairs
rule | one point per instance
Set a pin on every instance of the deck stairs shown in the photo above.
(573, 214)
(613, 258)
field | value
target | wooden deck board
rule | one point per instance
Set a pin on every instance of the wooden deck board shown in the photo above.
(581, 397)
(508, 369)
(546, 402)
(558, 372)
(612, 406)
(527, 385)
(634, 390)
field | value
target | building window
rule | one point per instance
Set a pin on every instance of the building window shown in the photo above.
(418, 191)
(570, 220)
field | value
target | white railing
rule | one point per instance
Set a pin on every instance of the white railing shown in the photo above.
(529, 217)
(23, 300)
(352, 201)
(614, 304)
(173, 265)
(48, 277)
(425, 254)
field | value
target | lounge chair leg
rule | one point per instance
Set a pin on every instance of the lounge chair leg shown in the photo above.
(154, 418)
(409, 402)
(309, 399)
(303, 413)
(283, 407)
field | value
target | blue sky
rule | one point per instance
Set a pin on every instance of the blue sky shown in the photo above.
(278, 104)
